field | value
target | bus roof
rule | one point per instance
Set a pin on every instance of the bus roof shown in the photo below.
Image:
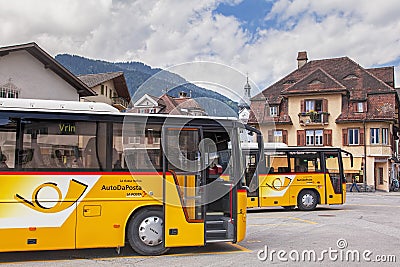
(281, 147)
(42, 105)
(54, 105)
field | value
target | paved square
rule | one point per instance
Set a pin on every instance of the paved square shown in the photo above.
(367, 222)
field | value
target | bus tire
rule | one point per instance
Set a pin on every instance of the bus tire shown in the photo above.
(307, 200)
(146, 232)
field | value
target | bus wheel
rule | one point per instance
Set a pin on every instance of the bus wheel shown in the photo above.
(307, 200)
(145, 232)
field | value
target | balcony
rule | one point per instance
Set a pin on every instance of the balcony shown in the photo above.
(119, 103)
(313, 118)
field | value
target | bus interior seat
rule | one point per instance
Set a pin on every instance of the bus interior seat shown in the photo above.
(116, 161)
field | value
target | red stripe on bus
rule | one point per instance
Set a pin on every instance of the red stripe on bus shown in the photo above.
(78, 173)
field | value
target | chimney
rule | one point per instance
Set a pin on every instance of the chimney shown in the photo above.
(301, 59)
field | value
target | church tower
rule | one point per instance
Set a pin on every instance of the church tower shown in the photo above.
(244, 103)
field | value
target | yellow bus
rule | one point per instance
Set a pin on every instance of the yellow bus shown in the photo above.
(294, 176)
(80, 175)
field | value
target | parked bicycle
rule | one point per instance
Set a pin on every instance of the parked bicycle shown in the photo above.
(394, 186)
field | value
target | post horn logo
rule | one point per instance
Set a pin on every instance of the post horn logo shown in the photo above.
(75, 191)
(277, 184)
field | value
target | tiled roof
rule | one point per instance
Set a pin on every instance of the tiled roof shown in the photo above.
(315, 82)
(172, 105)
(92, 80)
(50, 63)
(385, 74)
(259, 113)
(327, 76)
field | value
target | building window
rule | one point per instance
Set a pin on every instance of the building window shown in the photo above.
(385, 136)
(313, 105)
(273, 111)
(102, 89)
(8, 93)
(374, 136)
(314, 137)
(106, 90)
(353, 135)
(360, 107)
(277, 136)
(110, 94)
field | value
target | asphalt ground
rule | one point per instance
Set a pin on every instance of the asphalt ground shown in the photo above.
(364, 231)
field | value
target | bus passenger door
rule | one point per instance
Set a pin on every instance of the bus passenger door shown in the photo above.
(183, 197)
(333, 178)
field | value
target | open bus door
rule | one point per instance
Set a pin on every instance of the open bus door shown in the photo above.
(254, 166)
(184, 213)
(335, 192)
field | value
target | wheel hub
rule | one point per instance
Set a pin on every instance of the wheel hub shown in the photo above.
(307, 200)
(150, 231)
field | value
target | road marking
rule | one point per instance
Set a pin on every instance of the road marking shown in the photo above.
(270, 217)
(241, 248)
(254, 241)
(302, 220)
(276, 224)
(284, 217)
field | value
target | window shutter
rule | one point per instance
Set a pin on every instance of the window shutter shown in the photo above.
(284, 136)
(270, 136)
(344, 137)
(327, 137)
(391, 141)
(302, 106)
(325, 105)
(362, 136)
(301, 137)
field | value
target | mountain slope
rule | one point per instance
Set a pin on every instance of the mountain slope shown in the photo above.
(137, 76)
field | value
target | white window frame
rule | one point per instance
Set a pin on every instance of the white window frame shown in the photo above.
(374, 136)
(355, 135)
(310, 138)
(310, 105)
(278, 136)
(360, 107)
(315, 137)
(319, 137)
(273, 111)
(385, 132)
(134, 139)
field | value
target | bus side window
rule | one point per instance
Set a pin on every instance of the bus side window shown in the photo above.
(283, 169)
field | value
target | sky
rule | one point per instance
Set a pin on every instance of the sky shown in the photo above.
(258, 37)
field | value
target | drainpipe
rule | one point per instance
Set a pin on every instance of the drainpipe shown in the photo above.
(365, 157)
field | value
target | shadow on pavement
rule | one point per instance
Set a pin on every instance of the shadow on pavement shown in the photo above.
(104, 253)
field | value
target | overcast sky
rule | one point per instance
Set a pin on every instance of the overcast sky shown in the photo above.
(261, 37)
